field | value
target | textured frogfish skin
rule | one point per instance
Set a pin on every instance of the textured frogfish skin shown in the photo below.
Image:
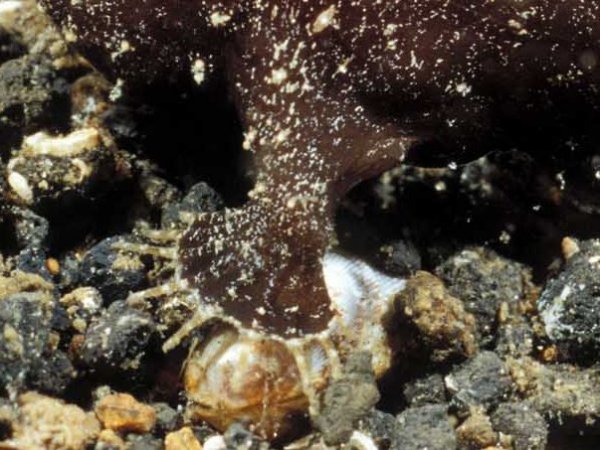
(331, 93)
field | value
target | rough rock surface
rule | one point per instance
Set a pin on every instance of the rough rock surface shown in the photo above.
(569, 304)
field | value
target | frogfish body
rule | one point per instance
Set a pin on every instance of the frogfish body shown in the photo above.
(332, 92)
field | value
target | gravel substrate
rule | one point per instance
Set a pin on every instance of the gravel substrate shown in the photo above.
(496, 336)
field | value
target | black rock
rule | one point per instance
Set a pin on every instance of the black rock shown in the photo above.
(200, 198)
(167, 418)
(402, 258)
(426, 427)
(31, 229)
(33, 260)
(103, 267)
(52, 373)
(515, 339)
(481, 381)
(347, 399)
(25, 360)
(32, 96)
(30, 237)
(117, 340)
(144, 442)
(569, 305)
(382, 428)
(237, 437)
(426, 390)
(525, 425)
(483, 280)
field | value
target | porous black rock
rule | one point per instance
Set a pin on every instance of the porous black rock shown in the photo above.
(526, 427)
(427, 427)
(114, 274)
(201, 198)
(51, 373)
(481, 381)
(402, 258)
(26, 359)
(167, 418)
(144, 442)
(347, 399)
(32, 94)
(484, 280)
(237, 437)
(382, 428)
(569, 304)
(117, 340)
(425, 390)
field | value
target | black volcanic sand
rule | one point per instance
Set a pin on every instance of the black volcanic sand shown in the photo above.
(506, 356)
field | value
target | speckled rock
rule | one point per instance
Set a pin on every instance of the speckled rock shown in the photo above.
(167, 418)
(52, 373)
(26, 357)
(116, 340)
(483, 280)
(30, 233)
(382, 428)
(426, 427)
(143, 442)
(347, 399)
(525, 426)
(200, 198)
(238, 437)
(515, 338)
(564, 394)
(31, 96)
(400, 258)
(114, 274)
(63, 172)
(481, 381)
(569, 303)
(425, 390)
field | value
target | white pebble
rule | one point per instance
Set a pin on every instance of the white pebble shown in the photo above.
(20, 186)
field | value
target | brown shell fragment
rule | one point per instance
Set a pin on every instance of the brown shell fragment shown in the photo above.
(256, 380)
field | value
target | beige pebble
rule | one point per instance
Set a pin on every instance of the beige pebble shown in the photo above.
(122, 412)
(183, 439)
(47, 423)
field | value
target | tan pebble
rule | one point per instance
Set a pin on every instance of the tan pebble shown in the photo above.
(112, 439)
(183, 439)
(122, 412)
(569, 247)
(46, 423)
(441, 319)
(53, 266)
(476, 432)
(550, 353)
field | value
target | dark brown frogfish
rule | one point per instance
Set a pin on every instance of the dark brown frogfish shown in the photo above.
(332, 92)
